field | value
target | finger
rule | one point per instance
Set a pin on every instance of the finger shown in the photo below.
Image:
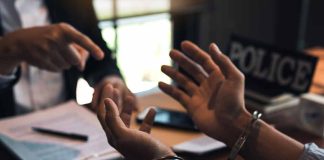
(106, 92)
(84, 55)
(43, 61)
(113, 121)
(189, 86)
(101, 114)
(126, 113)
(75, 56)
(188, 65)
(69, 53)
(135, 105)
(59, 61)
(47, 64)
(56, 55)
(75, 36)
(225, 64)
(148, 121)
(95, 97)
(199, 56)
(117, 99)
(175, 93)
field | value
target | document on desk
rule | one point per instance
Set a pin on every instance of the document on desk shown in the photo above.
(199, 146)
(16, 133)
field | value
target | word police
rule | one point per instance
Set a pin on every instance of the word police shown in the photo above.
(292, 70)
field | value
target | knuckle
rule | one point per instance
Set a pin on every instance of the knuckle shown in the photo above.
(176, 94)
(60, 28)
(227, 59)
(63, 25)
(204, 60)
(241, 76)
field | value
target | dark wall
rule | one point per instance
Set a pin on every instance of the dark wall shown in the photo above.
(291, 24)
(315, 24)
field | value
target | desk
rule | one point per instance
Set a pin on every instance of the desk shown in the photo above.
(172, 136)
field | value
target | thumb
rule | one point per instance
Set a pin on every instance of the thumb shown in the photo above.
(113, 120)
(148, 121)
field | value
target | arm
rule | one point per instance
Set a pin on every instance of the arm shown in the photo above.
(219, 96)
(52, 47)
(106, 71)
(265, 142)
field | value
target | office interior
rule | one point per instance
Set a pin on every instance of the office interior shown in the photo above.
(141, 34)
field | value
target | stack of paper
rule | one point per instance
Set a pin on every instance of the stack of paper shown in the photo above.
(18, 136)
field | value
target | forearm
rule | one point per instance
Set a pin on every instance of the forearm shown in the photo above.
(265, 142)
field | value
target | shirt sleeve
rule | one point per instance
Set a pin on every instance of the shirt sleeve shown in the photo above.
(312, 152)
(6, 80)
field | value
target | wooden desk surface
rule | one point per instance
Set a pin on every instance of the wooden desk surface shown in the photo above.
(171, 137)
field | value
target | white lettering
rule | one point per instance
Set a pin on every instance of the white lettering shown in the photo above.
(274, 62)
(257, 71)
(280, 75)
(248, 55)
(236, 49)
(301, 81)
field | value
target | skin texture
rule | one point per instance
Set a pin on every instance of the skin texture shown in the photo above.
(119, 85)
(217, 93)
(54, 47)
(131, 143)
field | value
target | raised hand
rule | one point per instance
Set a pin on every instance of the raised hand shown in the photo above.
(119, 85)
(215, 97)
(131, 143)
(53, 47)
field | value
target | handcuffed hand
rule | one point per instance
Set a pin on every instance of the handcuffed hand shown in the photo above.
(215, 97)
(131, 143)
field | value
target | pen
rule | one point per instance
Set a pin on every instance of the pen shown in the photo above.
(61, 134)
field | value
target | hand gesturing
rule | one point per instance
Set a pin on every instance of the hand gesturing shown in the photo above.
(214, 98)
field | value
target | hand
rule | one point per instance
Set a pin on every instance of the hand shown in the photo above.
(119, 85)
(131, 143)
(53, 47)
(216, 103)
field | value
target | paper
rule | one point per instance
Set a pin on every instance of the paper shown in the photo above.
(199, 145)
(35, 151)
(68, 117)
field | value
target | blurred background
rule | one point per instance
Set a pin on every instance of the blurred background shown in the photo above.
(142, 32)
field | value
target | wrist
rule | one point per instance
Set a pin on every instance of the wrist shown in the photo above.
(173, 157)
(164, 153)
(170, 155)
(234, 129)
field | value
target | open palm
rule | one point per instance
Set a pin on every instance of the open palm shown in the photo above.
(131, 143)
(215, 94)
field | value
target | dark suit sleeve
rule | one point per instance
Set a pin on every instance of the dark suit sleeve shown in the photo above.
(81, 15)
(96, 70)
(7, 104)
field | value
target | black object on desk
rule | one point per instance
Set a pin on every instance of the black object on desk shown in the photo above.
(62, 134)
(169, 118)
